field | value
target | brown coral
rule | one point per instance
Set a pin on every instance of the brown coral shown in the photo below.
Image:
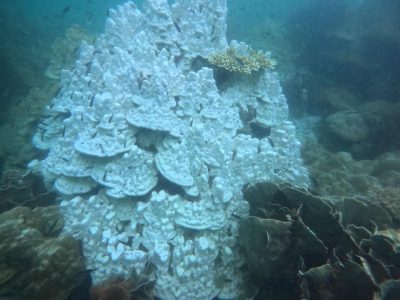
(234, 62)
(387, 197)
(112, 289)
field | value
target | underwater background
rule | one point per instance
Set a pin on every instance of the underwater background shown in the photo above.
(338, 63)
(324, 50)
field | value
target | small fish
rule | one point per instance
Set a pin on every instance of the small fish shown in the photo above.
(58, 92)
(127, 243)
(66, 9)
(177, 27)
(271, 142)
(88, 67)
(91, 101)
(121, 225)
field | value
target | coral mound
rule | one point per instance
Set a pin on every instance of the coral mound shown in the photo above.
(150, 155)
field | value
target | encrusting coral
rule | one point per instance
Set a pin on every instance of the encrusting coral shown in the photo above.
(233, 61)
(388, 197)
(35, 261)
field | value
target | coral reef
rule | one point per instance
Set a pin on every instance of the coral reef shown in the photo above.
(338, 253)
(387, 197)
(241, 59)
(342, 70)
(348, 125)
(339, 174)
(366, 130)
(37, 263)
(149, 154)
(333, 99)
(113, 289)
(22, 116)
(23, 188)
(64, 49)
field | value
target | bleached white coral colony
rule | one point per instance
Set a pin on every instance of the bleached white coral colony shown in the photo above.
(150, 154)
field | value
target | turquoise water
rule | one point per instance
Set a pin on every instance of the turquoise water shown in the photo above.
(312, 30)
(54, 17)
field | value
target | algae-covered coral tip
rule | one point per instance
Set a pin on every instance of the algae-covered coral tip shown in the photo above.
(232, 61)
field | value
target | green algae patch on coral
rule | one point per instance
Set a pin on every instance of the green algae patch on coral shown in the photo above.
(240, 58)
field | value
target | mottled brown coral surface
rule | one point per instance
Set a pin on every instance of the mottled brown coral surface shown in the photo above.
(36, 263)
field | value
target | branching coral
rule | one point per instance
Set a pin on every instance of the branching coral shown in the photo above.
(233, 61)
